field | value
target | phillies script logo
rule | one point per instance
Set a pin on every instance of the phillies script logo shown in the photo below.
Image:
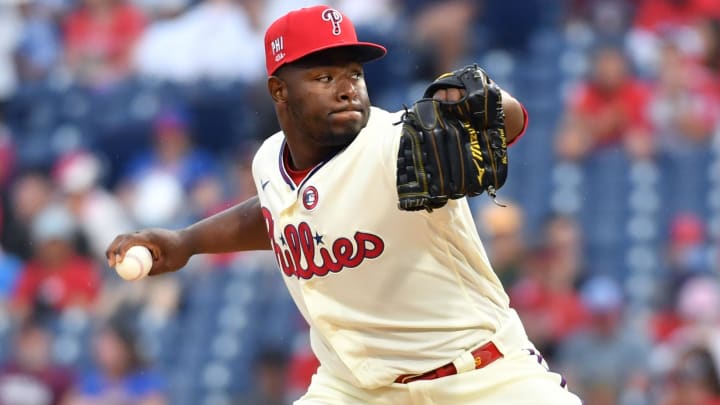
(304, 254)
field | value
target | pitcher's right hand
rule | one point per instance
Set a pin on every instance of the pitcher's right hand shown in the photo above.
(170, 249)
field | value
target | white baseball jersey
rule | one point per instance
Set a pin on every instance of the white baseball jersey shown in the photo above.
(386, 292)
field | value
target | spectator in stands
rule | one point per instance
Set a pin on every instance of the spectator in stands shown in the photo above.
(57, 277)
(563, 236)
(607, 359)
(449, 34)
(242, 185)
(442, 27)
(608, 110)
(545, 296)
(656, 20)
(683, 108)
(159, 10)
(224, 188)
(219, 191)
(121, 375)
(98, 212)
(608, 19)
(10, 30)
(709, 31)
(698, 305)
(30, 192)
(503, 230)
(180, 50)
(687, 255)
(30, 377)
(367, 14)
(662, 15)
(99, 37)
(708, 62)
(708, 55)
(207, 196)
(173, 166)
(173, 151)
(694, 379)
(154, 302)
(698, 310)
(688, 250)
(40, 47)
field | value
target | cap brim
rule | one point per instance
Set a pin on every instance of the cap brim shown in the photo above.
(365, 52)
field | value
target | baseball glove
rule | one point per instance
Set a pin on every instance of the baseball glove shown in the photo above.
(449, 150)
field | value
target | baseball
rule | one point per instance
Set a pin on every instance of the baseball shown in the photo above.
(136, 264)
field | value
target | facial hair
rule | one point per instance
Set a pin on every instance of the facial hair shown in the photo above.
(324, 135)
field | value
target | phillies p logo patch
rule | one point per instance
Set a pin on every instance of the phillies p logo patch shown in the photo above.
(310, 198)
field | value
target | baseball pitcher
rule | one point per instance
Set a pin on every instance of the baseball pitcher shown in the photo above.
(366, 212)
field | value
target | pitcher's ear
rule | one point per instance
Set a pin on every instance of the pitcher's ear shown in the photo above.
(277, 89)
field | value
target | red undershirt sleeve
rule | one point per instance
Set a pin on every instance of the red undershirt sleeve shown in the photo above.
(524, 128)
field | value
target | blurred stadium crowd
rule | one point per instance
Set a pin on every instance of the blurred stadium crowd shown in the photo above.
(122, 114)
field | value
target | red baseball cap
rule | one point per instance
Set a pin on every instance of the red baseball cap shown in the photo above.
(307, 30)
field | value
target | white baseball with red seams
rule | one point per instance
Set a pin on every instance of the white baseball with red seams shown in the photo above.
(136, 264)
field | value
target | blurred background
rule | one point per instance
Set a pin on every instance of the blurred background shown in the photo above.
(121, 114)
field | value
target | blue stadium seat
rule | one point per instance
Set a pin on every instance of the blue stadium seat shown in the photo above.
(685, 182)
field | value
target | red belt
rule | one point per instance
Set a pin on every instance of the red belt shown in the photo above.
(483, 356)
